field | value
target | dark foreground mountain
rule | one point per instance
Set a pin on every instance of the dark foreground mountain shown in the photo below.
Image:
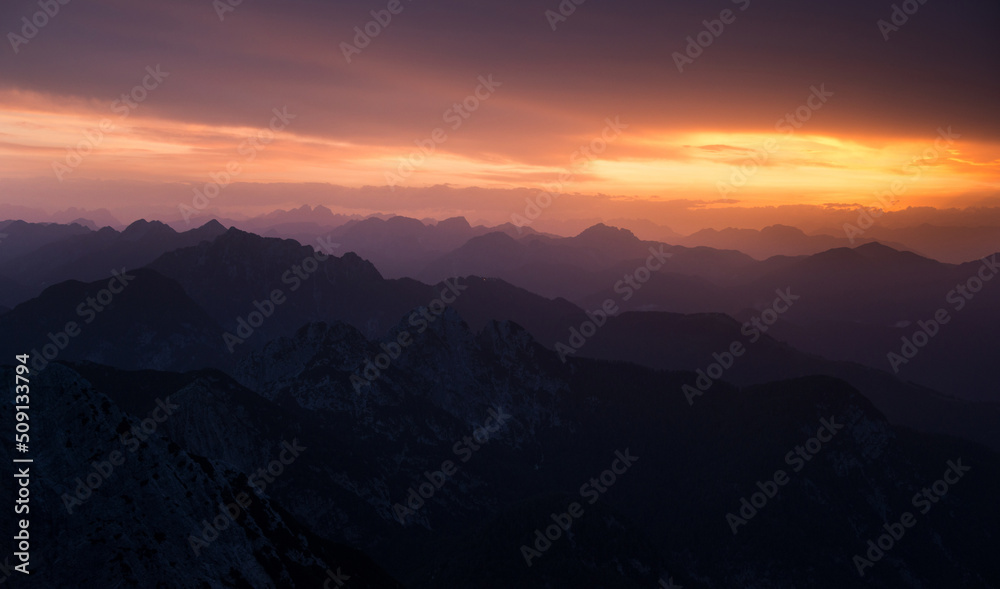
(136, 319)
(116, 505)
(504, 441)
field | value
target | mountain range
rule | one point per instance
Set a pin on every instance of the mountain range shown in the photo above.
(370, 398)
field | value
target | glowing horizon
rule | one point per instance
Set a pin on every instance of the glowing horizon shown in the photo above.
(807, 125)
(777, 167)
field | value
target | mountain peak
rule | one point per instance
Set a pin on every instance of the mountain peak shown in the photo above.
(407, 222)
(875, 247)
(213, 225)
(491, 239)
(878, 251)
(142, 228)
(605, 232)
(208, 231)
(782, 231)
(454, 223)
(84, 223)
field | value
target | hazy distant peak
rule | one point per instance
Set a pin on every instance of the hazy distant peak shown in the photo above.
(602, 232)
(509, 227)
(454, 223)
(99, 217)
(493, 238)
(782, 231)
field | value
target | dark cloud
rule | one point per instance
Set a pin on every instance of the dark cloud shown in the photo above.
(607, 58)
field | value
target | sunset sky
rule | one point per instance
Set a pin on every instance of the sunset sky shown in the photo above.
(681, 137)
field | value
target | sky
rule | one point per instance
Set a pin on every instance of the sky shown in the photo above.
(477, 107)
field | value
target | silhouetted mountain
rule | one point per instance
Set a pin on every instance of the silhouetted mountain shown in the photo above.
(89, 255)
(775, 240)
(400, 246)
(395, 244)
(99, 217)
(574, 267)
(136, 506)
(951, 244)
(647, 230)
(686, 342)
(566, 422)
(379, 392)
(345, 288)
(136, 319)
(857, 303)
(304, 214)
(20, 238)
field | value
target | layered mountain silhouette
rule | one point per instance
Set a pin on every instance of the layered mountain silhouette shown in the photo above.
(562, 424)
(774, 240)
(266, 346)
(43, 255)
